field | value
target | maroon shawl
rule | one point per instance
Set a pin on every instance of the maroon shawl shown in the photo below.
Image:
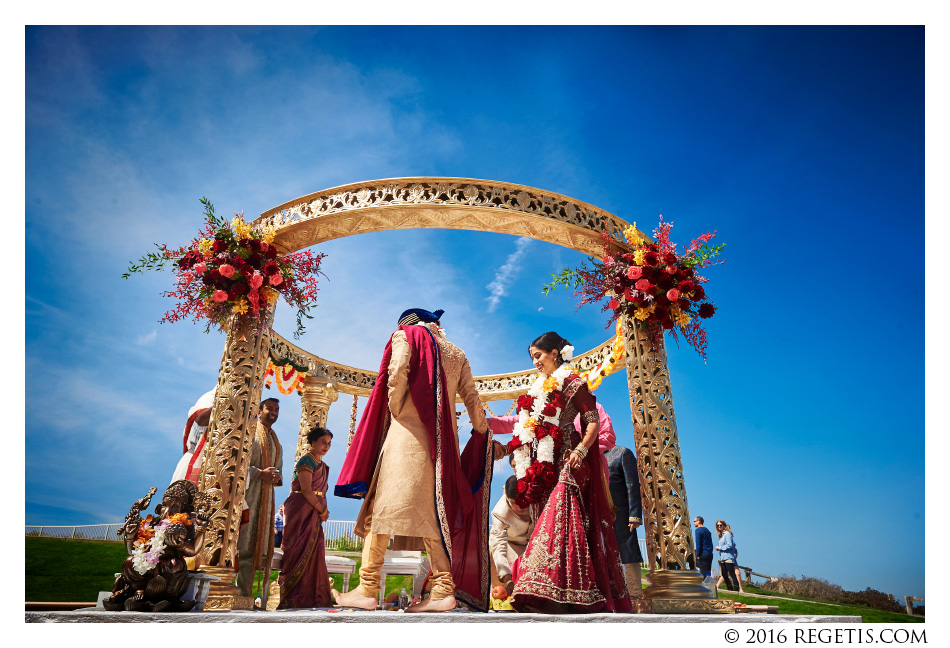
(462, 483)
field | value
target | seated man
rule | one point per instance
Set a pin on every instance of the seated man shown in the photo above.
(510, 531)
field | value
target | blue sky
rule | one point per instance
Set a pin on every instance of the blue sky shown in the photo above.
(803, 147)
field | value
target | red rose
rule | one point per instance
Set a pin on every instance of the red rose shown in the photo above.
(670, 258)
(643, 284)
(653, 290)
(698, 294)
(687, 286)
(219, 246)
(271, 268)
(651, 258)
(525, 402)
(664, 281)
(514, 444)
(549, 410)
(707, 310)
(613, 304)
(271, 252)
(239, 288)
(522, 487)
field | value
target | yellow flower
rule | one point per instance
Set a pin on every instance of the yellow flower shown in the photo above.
(269, 233)
(680, 318)
(241, 229)
(240, 307)
(631, 235)
(205, 245)
(530, 424)
(270, 294)
(549, 383)
(638, 257)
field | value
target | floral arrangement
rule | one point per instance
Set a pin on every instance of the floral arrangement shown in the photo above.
(149, 544)
(595, 375)
(653, 283)
(231, 268)
(288, 376)
(537, 435)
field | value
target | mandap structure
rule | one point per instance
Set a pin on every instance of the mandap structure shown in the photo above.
(466, 204)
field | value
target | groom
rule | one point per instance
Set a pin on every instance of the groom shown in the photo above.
(405, 461)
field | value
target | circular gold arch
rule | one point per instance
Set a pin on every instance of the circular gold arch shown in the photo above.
(466, 204)
(442, 203)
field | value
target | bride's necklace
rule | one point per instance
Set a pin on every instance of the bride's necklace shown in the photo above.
(537, 434)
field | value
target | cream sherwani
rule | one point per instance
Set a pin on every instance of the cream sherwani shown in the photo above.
(401, 497)
(508, 536)
(400, 500)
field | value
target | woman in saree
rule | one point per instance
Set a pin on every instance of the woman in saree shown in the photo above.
(572, 563)
(303, 581)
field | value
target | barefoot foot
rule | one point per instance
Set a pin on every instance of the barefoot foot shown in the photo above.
(354, 599)
(434, 605)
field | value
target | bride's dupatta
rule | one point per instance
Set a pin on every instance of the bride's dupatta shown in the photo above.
(462, 484)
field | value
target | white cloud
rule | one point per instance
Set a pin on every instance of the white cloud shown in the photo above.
(147, 339)
(498, 288)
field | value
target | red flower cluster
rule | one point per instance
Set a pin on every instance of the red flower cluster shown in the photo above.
(652, 284)
(229, 268)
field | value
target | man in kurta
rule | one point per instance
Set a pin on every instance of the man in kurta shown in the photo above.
(256, 539)
(405, 461)
(511, 529)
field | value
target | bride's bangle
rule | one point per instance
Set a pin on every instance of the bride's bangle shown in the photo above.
(581, 450)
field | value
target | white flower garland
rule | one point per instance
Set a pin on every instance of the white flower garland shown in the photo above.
(526, 435)
(145, 556)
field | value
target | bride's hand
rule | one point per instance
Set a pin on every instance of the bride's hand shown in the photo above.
(574, 461)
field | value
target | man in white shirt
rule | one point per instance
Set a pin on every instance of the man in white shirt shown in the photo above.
(510, 531)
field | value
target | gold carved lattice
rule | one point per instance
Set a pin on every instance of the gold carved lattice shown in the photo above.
(666, 524)
(442, 203)
(233, 424)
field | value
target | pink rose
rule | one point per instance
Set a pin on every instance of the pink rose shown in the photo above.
(634, 272)
(200, 267)
(643, 284)
(226, 271)
(608, 260)
(612, 304)
(220, 296)
(256, 280)
(670, 269)
(275, 279)
(672, 294)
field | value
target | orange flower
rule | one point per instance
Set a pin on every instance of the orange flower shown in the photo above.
(180, 518)
(549, 383)
(530, 424)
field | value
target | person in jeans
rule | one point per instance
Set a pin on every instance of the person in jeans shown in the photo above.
(704, 547)
(728, 557)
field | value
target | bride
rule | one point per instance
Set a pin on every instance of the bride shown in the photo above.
(572, 563)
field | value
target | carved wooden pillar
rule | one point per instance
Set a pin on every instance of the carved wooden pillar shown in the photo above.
(675, 585)
(315, 400)
(227, 454)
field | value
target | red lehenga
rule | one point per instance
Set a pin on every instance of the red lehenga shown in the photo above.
(304, 582)
(572, 563)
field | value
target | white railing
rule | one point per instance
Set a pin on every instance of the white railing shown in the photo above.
(338, 534)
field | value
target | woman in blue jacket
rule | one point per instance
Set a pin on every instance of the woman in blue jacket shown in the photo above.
(728, 557)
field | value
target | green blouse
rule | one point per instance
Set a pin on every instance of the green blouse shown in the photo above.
(306, 463)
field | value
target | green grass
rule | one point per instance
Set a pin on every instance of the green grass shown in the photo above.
(77, 570)
(71, 570)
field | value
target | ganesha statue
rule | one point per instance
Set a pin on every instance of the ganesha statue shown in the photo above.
(162, 548)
